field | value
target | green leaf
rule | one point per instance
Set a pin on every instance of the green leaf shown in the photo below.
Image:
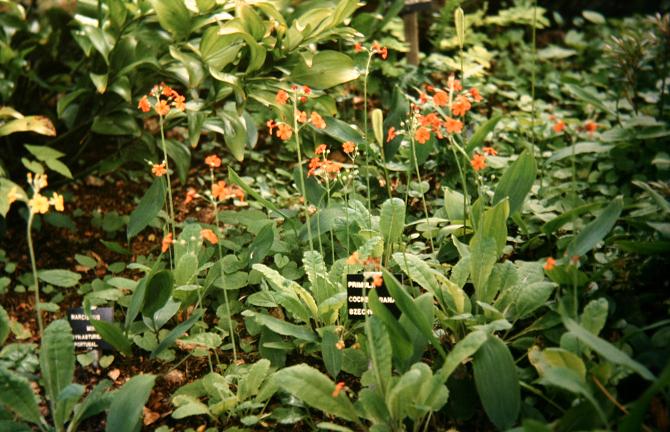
(177, 332)
(43, 153)
(315, 389)
(262, 244)
(60, 278)
(117, 124)
(251, 384)
(148, 208)
(96, 402)
(125, 412)
(589, 96)
(406, 304)
(38, 124)
(378, 125)
(332, 356)
(516, 182)
(173, 17)
(484, 129)
(327, 69)
(4, 325)
(465, 348)
(186, 270)
(159, 291)
(282, 327)
(579, 148)
(57, 361)
(497, 382)
(557, 222)
(418, 271)
(401, 343)
(606, 349)
(594, 315)
(17, 395)
(530, 296)
(392, 220)
(595, 231)
(113, 335)
(59, 167)
(341, 131)
(379, 347)
(234, 178)
(483, 258)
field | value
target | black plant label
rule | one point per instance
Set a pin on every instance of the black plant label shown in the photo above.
(85, 336)
(359, 286)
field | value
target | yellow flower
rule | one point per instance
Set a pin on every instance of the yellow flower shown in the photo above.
(57, 202)
(39, 204)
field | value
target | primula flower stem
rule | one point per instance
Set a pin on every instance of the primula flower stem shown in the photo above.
(33, 264)
(300, 172)
(169, 183)
(365, 133)
(423, 196)
(225, 291)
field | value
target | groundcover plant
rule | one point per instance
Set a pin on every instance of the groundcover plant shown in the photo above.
(252, 215)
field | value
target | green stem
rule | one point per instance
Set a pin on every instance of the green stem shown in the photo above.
(169, 182)
(365, 134)
(33, 264)
(464, 182)
(225, 291)
(423, 197)
(300, 171)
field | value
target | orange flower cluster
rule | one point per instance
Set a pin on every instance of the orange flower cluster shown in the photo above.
(283, 130)
(550, 264)
(349, 147)
(167, 241)
(559, 126)
(369, 262)
(324, 167)
(221, 191)
(378, 49)
(159, 170)
(209, 235)
(165, 99)
(478, 162)
(213, 161)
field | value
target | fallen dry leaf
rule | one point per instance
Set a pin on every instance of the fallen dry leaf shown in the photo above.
(114, 374)
(150, 416)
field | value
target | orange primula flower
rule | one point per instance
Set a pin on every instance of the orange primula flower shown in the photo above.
(219, 190)
(338, 388)
(377, 280)
(423, 98)
(454, 84)
(167, 90)
(422, 135)
(478, 162)
(162, 108)
(57, 201)
(453, 125)
(159, 170)
(590, 126)
(391, 134)
(320, 149)
(358, 47)
(354, 259)
(213, 161)
(167, 241)
(284, 131)
(282, 97)
(475, 94)
(271, 125)
(144, 104)
(301, 116)
(489, 151)
(550, 264)
(440, 98)
(559, 126)
(317, 120)
(314, 164)
(340, 345)
(179, 102)
(332, 167)
(461, 106)
(378, 49)
(306, 90)
(190, 194)
(39, 204)
(348, 147)
(209, 235)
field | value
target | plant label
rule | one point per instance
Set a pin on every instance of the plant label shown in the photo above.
(412, 6)
(358, 287)
(85, 336)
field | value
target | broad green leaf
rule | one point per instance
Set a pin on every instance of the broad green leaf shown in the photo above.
(327, 69)
(464, 349)
(251, 384)
(497, 382)
(606, 349)
(316, 390)
(125, 412)
(392, 220)
(379, 347)
(377, 117)
(250, 19)
(262, 244)
(60, 278)
(38, 124)
(484, 129)
(6, 186)
(579, 148)
(530, 296)
(596, 230)
(66, 402)
(148, 208)
(483, 258)
(136, 302)
(218, 50)
(331, 354)
(159, 291)
(117, 124)
(187, 406)
(594, 315)
(406, 304)
(282, 327)
(177, 332)
(17, 395)
(4, 325)
(96, 402)
(660, 200)
(173, 17)
(516, 182)
(113, 335)
(401, 343)
(186, 269)
(59, 167)
(418, 271)
(43, 153)
(341, 131)
(589, 96)
(57, 359)
(557, 222)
